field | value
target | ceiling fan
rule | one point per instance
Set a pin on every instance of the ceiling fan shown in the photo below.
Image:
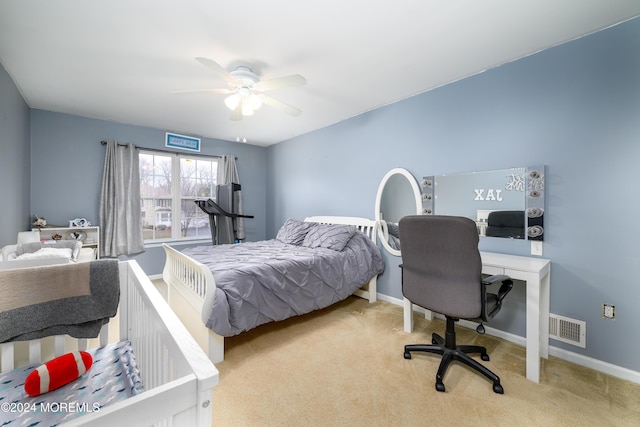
(246, 92)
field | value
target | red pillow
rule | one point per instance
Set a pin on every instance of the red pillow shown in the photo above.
(57, 372)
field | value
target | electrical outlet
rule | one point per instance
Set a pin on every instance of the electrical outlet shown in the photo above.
(536, 247)
(608, 311)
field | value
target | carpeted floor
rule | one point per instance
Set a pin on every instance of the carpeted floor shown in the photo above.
(344, 366)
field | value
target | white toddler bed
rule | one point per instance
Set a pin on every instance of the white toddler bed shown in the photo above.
(36, 253)
(176, 375)
(192, 287)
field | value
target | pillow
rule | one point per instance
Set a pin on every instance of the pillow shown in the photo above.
(293, 231)
(57, 372)
(32, 247)
(74, 245)
(45, 253)
(329, 236)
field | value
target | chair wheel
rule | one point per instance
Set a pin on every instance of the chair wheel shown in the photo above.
(497, 388)
(407, 355)
(440, 387)
(485, 357)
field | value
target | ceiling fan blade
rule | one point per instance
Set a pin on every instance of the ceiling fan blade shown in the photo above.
(214, 91)
(217, 68)
(272, 102)
(280, 82)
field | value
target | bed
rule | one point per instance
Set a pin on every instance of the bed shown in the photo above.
(173, 378)
(221, 291)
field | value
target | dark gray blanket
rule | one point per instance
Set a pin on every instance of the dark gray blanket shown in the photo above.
(73, 299)
(261, 282)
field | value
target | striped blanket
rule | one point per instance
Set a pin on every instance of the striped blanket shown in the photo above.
(74, 299)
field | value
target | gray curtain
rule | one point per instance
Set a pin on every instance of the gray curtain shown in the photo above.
(228, 174)
(119, 213)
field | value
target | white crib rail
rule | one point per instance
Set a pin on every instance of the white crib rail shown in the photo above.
(177, 375)
(44, 349)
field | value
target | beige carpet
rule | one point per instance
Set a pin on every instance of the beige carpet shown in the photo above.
(344, 366)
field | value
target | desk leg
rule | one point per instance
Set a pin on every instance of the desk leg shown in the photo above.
(408, 316)
(533, 327)
(428, 314)
(545, 290)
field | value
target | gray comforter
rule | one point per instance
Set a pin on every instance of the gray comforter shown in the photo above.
(261, 282)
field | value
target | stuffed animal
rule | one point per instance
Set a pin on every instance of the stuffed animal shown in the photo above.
(57, 372)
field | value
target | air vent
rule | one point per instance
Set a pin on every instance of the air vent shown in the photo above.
(568, 330)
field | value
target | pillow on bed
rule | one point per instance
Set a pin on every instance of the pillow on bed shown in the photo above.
(45, 253)
(294, 232)
(329, 236)
(32, 247)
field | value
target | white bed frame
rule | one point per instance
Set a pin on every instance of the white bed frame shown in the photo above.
(191, 286)
(177, 376)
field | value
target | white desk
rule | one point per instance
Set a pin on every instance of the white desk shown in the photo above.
(536, 273)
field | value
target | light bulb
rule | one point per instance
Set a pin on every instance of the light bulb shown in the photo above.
(246, 109)
(232, 101)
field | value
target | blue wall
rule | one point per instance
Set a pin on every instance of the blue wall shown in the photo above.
(14, 161)
(574, 108)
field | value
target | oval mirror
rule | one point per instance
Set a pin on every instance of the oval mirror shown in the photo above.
(398, 196)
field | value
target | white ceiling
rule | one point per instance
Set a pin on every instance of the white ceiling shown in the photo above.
(118, 60)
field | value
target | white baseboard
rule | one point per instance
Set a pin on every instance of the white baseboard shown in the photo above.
(595, 364)
(569, 356)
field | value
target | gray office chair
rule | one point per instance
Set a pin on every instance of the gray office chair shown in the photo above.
(442, 272)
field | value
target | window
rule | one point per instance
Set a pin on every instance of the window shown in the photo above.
(168, 207)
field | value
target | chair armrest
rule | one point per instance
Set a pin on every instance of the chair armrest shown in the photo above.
(506, 286)
(493, 279)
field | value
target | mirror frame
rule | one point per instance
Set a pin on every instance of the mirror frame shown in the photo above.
(383, 232)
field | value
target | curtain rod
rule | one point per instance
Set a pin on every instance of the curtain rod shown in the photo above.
(164, 151)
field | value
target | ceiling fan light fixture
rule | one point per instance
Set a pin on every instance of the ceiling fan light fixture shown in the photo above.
(232, 101)
(246, 109)
(245, 93)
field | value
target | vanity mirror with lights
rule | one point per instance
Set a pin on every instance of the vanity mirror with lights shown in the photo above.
(507, 203)
(398, 195)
